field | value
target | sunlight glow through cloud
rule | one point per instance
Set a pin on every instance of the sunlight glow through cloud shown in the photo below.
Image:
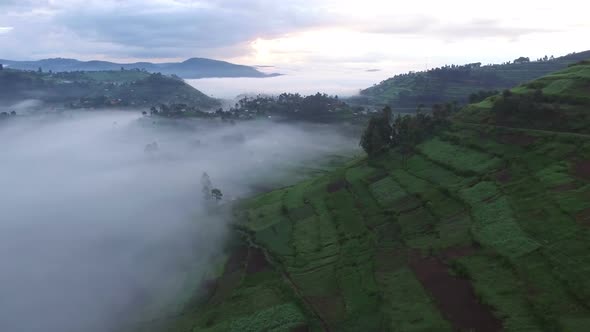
(337, 33)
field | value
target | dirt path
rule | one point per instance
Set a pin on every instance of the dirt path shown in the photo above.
(454, 297)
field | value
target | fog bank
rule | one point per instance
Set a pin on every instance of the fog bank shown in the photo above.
(93, 227)
(344, 83)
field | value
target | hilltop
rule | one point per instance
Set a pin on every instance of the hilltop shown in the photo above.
(407, 92)
(483, 225)
(99, 89)
(191, 68)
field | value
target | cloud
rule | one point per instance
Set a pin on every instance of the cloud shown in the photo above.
(431, 26)
(168, 27)
(104, 233)
(5, 29)
(227, 29)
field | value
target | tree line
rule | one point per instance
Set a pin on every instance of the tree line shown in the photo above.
(385, 132)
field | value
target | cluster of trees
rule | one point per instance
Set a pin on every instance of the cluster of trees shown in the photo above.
(532, 110)
(385, 132)
(6, 115)
(178, 110)
(546, 58)
(318, 107)
(521, 60)
(313, 107)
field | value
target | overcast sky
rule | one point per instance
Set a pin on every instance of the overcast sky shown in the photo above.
(367, 34)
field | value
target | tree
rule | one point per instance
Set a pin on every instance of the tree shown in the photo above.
(522, 60)
(1, 66)
(40, 70)
(207, 186)
(216, 193)
(377, 138)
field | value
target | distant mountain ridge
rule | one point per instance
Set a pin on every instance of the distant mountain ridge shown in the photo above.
(190, 69)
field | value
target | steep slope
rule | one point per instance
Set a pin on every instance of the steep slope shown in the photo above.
(481, 228)
(456, 83)
(191, 68)
(99, 89)
(557, 102)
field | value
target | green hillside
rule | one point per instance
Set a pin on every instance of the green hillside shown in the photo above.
(480, 228)
(456, 83)
(121, 88)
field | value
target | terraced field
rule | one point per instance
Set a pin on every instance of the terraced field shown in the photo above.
(484, 242)
(483, 228)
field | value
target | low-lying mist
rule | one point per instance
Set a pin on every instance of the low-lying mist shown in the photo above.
(95, 227)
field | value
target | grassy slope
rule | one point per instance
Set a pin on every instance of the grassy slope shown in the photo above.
(482, 227)
(428, 86)
(134, 88)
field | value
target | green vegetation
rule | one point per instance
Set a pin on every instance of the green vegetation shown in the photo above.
(557, 102)
(318, 107)
(464, 83)
(466, 226)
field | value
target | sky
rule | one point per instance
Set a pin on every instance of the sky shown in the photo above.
(327, 34)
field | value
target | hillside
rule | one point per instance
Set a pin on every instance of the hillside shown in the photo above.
(99, 89)
(456, 83)
(191, 68)
(480, 228)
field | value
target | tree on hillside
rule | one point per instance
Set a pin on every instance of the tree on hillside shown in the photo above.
(216, 194)
(1, 66)
(207, 186)
(522, 60)
(377, 138)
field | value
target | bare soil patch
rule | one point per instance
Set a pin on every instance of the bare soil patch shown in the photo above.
(503, 176)
(453, 296)
(237, 260)
(582, 169)
(583, 217)
(256, 261)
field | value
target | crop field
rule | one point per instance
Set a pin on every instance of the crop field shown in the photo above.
(358, 248)
(483, 228)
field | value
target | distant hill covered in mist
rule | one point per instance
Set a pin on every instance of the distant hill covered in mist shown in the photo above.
(191, 69)
(99, 89)
(406, 92)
